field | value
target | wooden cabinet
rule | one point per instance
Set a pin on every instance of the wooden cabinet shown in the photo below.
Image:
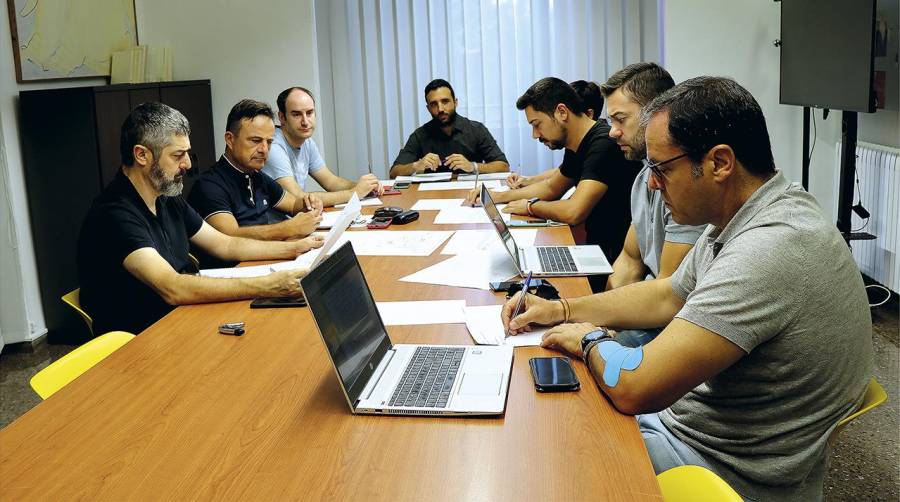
(70, 147)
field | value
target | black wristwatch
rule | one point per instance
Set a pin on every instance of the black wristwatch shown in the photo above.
(591, 339)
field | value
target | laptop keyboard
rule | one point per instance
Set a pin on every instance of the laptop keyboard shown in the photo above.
(429, 377)
(556, 259)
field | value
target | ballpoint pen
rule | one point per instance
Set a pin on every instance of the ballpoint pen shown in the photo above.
(521, 303)
(475, 165)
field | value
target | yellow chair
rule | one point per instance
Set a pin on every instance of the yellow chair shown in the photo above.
(691, 483)
(70, 366)
(874, 397)
(73, 299)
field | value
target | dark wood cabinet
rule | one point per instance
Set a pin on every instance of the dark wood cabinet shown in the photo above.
(70, 148)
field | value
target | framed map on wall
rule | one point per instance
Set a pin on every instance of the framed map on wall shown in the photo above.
(61, 39)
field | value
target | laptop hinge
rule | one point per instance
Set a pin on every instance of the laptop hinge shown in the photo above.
(379, 372)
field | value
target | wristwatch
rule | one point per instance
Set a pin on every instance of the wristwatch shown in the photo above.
(529, 203)
(591, 339)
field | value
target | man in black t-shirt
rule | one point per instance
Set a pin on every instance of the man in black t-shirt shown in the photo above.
(592, 163)
(237, 198)
(133, 262)
(449, 141)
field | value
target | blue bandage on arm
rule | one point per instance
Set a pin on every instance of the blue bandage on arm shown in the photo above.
(616, 358)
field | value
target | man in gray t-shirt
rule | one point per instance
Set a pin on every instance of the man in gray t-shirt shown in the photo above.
(768, 343)
(655, 243)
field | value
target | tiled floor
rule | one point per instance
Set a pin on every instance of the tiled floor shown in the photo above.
(864, 461)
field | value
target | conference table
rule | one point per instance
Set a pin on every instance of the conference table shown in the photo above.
(182, 412)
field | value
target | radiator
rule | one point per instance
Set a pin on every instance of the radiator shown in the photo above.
(878, 170)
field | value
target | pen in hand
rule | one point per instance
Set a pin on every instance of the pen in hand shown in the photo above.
(520, 304)
(475, 164)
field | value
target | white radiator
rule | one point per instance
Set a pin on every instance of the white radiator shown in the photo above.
(878, 170)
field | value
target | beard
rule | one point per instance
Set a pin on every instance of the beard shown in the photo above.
(451, 118)
(637, 149)
(168, 187)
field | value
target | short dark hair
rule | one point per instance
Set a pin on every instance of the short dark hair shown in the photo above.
(437, 84)
(246, 109)
(639, 81)
(589, 93)
(708, 111)
(548, 92)
(151, 125)
(282, 97)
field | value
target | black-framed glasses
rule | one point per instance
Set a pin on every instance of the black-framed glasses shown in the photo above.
(654, 166)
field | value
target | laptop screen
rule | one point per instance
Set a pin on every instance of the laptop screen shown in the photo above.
(347, 317)
(502, 229)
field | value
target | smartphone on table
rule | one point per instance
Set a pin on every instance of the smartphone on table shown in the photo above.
(553, 374)
(380, 222)
(400, 185)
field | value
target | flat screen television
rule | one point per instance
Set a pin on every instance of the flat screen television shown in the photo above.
(826, 54)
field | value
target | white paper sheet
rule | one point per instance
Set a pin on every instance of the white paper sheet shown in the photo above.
(501, 188)
(483, 177)
(462, 215)
(456, 185)
(482, 241)
(471, 270)
(399, 243)
(436, 204)
(329, 218)
(486, 328)
(386, 183)
(372, 201)
(425, 177)
(422, 312)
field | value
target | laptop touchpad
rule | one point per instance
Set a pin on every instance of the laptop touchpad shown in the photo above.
(481, 384)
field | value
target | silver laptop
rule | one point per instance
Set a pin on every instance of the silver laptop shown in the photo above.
(379, 377)
(546, 261)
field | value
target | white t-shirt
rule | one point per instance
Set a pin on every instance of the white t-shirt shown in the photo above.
(285, 160)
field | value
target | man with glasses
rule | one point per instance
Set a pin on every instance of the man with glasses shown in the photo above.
(593, 164)
(655, 244)
(768, 342)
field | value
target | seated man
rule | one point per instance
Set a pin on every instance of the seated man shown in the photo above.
(590, 94)
(133, 262)
(449, 141)
(294, 155)
(766, 349)
(236, 198)
(655, 244)
(592, 163)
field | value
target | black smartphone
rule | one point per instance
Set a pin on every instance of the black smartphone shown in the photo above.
(501, 286)
(400, 185)
(279, 302)
(553, 374)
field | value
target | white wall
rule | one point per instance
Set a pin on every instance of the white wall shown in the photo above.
(246, 49)
(735, 39)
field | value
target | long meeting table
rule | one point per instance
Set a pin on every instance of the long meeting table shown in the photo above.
(184, 413)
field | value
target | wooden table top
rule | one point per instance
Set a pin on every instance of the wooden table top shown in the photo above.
(182, 412)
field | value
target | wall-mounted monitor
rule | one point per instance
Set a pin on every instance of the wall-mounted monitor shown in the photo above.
(826, 54)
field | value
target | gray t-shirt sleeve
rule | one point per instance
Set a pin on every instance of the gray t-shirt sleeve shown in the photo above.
(744, 294)
(278, 165)
(685, 276)
(681, 234)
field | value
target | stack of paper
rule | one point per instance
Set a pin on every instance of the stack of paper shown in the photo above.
(483, 177)
(486, 328)
(461, 215)
(457, 185)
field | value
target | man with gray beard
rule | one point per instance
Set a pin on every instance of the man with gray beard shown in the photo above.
(133, 262)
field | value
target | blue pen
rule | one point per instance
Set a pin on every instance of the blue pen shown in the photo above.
(521, 303)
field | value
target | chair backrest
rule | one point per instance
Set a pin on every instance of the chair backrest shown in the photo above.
(691, 483)
(874, 397)
(69, 367)
(73, 299)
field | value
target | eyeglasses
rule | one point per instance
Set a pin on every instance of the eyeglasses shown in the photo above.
(654, 167)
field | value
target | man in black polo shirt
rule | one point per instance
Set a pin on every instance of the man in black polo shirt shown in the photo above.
(593, 164)
(448, 142)
(237, 198)
(133, 262)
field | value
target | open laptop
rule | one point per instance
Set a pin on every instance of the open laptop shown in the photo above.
(379, 377)
(546, 261)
